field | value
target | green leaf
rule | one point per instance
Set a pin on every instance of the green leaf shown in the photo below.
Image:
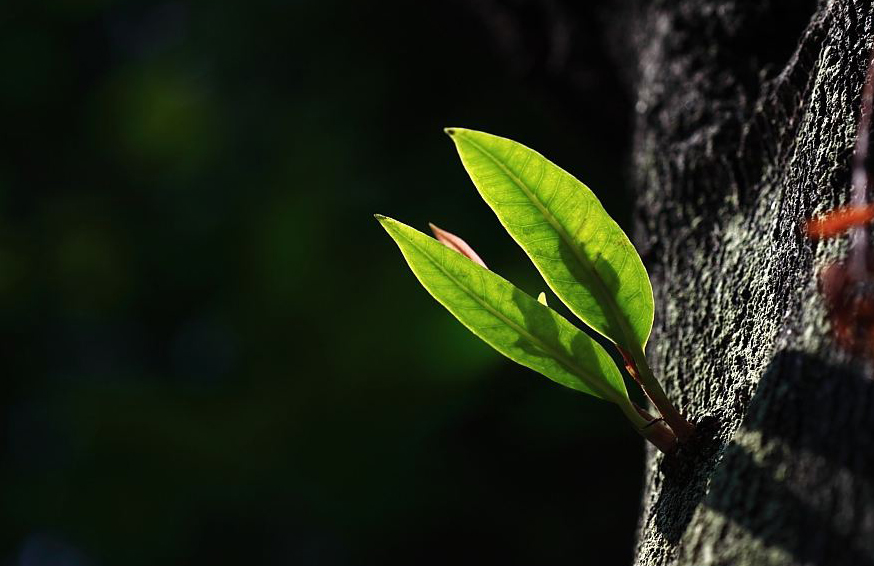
(510, 321)
(583, 255)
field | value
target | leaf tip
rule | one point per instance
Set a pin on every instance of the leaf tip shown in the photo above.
(442, 235)
(384, 221)
(450, 131)
(541, 298)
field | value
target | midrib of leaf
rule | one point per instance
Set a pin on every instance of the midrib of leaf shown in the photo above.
(562, 232)
(558, 355)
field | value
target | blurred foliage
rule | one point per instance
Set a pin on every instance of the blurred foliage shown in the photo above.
(212, 353)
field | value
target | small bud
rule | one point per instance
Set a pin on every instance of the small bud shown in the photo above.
(452, 241)
(541, 298)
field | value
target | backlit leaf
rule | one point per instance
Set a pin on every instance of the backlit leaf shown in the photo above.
(509, 320)
(583, 255)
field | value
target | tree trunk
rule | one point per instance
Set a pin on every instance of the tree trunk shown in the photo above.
(731, 159)
(746, 114)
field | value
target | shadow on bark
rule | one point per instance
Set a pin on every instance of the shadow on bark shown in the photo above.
(801, 416)
(799, 420)
(685, 480)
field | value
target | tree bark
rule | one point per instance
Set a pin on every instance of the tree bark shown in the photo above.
(746, 114)
(730, 161)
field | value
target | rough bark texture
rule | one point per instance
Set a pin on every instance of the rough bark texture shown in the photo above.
(746, 113)
(731, 159)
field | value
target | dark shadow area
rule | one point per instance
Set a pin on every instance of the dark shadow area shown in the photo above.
(685, 480)
(805, 405)
(599, 279)
(778, 517)
(213, 354)
(536, 317)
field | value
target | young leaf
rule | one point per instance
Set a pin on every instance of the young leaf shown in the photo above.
(454, 242)
(583, 255)
(510, 321)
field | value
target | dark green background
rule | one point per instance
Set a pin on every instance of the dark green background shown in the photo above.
(211, 352)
